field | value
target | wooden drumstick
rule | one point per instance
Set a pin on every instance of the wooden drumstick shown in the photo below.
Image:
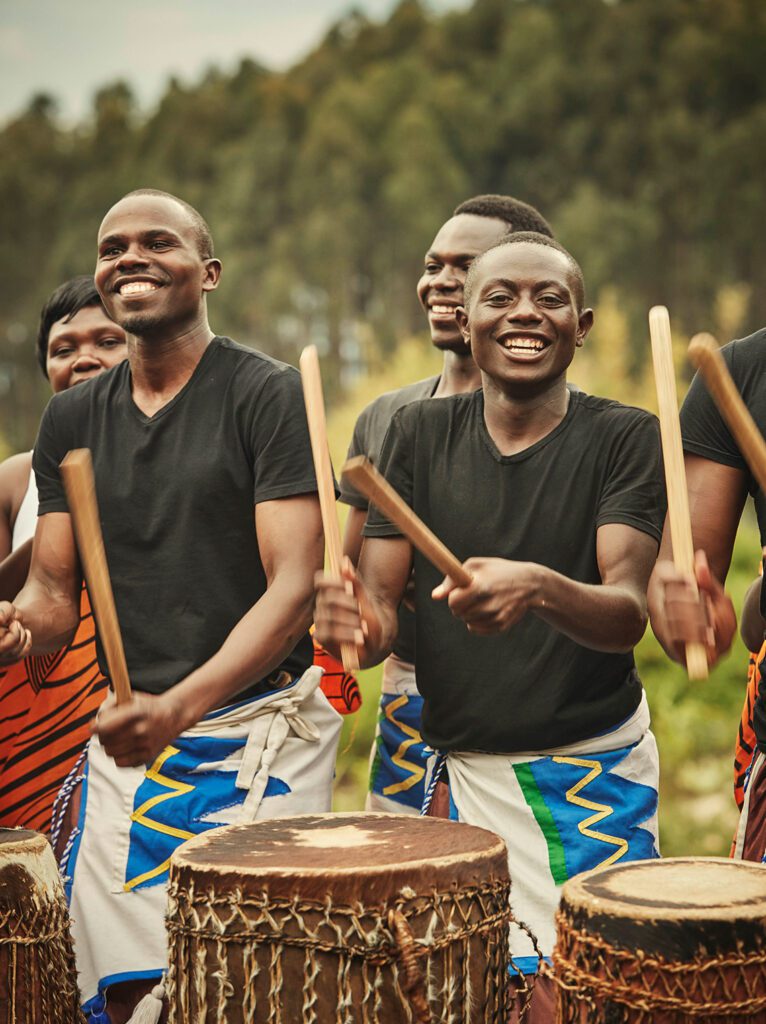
(366, 478)
(314, 399)
(675, 474)
(80, 486)
(706, 356)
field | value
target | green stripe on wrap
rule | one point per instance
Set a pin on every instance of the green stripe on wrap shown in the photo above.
(544, 819)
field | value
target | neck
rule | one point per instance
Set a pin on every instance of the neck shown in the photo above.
(161, 366)
(459, 375)
(517, 420)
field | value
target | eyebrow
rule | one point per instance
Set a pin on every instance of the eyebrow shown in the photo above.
(540, 286)
(454, 257)
(150, 234)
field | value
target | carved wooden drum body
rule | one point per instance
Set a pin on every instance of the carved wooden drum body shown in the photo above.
(38, 981)
(663, 942)
(338, 919)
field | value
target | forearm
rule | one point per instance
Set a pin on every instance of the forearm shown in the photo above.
(51, 615)
(751, 625)
(602, 617)
(13, 571)
(257, 645)
(655, 597)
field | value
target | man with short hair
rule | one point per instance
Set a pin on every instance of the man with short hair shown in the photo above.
(47, 702)
(213, 533)
(399, 756)
(529, 683)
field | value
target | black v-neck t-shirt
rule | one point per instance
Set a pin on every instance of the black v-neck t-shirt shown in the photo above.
(530, 688)
(176, 494)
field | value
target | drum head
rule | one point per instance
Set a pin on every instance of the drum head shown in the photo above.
(672, 906)
(361, 852)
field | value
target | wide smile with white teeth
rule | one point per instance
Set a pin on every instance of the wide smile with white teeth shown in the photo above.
(513, 343)
(136, 287)
(439, 310)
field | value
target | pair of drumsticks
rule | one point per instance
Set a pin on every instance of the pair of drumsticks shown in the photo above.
(77, 473)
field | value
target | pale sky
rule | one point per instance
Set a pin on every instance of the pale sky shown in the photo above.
(69, 48)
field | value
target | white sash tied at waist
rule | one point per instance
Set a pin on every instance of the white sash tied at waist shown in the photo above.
(274, 717)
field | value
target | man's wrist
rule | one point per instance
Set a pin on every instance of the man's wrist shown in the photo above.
(538, 583)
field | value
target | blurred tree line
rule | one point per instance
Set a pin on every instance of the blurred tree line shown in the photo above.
(638, 127)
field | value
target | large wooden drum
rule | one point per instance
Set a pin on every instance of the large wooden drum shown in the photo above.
(338, 919)
(663, 942)
(38, 982)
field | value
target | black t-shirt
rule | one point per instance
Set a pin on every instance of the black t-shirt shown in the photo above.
(532, 687)
(367, 439)
(176, 494)
(704, 431)
(706, 434)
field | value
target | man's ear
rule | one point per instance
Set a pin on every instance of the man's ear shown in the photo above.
(212, 275)
(584, 324)
(461, 318)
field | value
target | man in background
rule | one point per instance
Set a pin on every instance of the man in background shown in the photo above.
(399, 755)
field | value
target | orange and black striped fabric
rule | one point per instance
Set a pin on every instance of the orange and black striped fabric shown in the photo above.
(743, 753)
(339, 686)
(46, 704)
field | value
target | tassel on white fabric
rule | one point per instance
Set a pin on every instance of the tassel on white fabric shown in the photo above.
(149, 1009)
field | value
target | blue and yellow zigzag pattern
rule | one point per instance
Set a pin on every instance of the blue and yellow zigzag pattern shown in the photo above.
(559, 789)
(399, 769)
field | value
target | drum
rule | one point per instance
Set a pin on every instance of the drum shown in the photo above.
(334, 919)
(38, 982)
(663, 941)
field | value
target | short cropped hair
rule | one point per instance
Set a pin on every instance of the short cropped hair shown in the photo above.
(201, 229)
(517, 215)
(531, 238)
(63, 304)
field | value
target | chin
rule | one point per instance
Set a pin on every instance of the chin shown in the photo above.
(139, 323)
(446, 344)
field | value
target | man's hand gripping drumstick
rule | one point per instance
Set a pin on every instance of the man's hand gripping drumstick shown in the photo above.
(684, 614)
(365, 613)
(311, 380)
(675, 476)
(131, 731)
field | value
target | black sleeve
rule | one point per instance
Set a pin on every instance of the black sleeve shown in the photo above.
(359, 446)
(396, 465)
(281, 449)
(703, 429)
(50, 448)
(634, 490)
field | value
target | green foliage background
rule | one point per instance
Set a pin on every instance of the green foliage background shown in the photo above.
(638, 127)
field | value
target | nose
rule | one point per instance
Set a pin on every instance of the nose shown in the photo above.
(446, 279)
(86, 361)
(525, 311)
(131, 258)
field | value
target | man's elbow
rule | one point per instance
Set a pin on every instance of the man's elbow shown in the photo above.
(634, 627)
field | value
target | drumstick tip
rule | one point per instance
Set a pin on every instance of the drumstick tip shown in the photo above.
(309, 354)
(701, 343)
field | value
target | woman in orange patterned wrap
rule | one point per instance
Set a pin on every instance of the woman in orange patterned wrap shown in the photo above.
(47, 701)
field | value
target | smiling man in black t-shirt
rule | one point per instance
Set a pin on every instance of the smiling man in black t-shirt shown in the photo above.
(554, 501)
(213, 534)
(400, 758)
